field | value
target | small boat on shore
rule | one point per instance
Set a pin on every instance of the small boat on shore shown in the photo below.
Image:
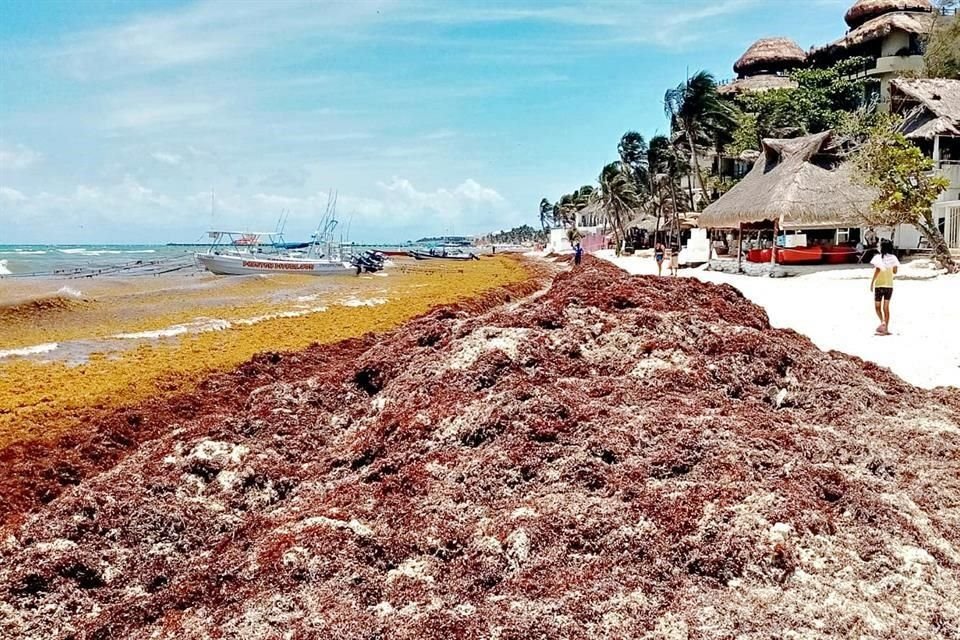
(236, 253)
(434, 255)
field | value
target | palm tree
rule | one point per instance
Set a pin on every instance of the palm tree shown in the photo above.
(619, 198)
(698, 115)
(665, 169)
(634, 154)
(546, 212)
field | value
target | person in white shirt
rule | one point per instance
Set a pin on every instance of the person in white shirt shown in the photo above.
(885, 266)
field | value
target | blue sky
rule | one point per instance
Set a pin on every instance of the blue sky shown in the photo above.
(428, 116)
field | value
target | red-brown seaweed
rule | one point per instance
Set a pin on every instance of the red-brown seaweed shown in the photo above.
(614, 457)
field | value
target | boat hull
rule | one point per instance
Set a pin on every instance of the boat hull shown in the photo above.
(226, 265)
(800, 255)
(458, 257)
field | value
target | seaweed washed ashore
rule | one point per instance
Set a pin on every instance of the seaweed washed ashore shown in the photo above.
(617, 457)
(117, 342)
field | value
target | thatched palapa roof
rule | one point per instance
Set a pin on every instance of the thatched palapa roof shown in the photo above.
(877, 28)
(800, 183)
(757, 84)
(864, 10)
(932, 107)
(770, 55)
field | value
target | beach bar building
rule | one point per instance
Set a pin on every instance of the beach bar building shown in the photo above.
(802, 196)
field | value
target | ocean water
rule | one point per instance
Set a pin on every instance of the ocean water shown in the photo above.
(20, 259)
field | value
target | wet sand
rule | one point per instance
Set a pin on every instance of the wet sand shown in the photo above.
(106, 342)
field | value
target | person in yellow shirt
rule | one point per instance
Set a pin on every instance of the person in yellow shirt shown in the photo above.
(885, 266)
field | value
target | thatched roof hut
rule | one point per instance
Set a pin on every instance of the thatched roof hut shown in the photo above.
(770, 55)
(798, 183)
(931, 107)
(914, 23)
(864, 10)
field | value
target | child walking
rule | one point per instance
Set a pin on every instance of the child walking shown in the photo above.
(885, 266)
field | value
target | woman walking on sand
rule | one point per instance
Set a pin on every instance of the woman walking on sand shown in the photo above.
(658, 251)
(885, 266)
(674, 260)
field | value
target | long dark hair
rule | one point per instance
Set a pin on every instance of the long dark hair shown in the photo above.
(886, 247)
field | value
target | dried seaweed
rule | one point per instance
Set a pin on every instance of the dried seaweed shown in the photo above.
(620, 457)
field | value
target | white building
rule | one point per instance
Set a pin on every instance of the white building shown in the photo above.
(931, 112)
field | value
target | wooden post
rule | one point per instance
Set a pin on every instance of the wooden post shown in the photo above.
(739, 247)
(773, 249)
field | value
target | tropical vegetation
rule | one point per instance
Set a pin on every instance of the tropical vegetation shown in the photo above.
(652, 182)
(524, 234)
(906, 184)
(942, 56)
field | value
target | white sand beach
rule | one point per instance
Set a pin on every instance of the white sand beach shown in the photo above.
(834, 308)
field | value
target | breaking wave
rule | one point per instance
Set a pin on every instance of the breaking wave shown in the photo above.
(102, 252)
(29, 351)
(202, 325)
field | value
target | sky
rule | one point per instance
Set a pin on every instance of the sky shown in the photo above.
(427, 117)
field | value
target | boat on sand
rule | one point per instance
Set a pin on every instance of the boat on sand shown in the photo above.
(442, 255)
(257, 253)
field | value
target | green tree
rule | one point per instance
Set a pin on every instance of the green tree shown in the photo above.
(619, 198)
(666, 167)
(698, 115)
(746, 137)
(634, 154)
(566, 209)
(942, 56)
(906, 186)
(546, 214)
(820, 101)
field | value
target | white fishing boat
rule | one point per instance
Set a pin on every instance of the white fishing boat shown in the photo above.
(237, 253)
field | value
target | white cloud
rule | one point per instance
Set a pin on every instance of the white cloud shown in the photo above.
(83, 193)
(440, 134)
(203, 32)
(17, 156)
(172, 159)
(296, 177)
(135, 211)
(469, 206)
(154, 112)
(11, 195)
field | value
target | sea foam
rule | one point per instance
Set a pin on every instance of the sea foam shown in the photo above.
(70, 292)
(3, 268)
(29, 351)
(199, 326)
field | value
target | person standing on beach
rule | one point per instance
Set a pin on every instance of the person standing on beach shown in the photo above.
(577, 254)
(885, 266)
(658, 252)
(674, 260)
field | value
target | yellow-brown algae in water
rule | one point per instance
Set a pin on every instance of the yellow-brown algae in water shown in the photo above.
(37, 397)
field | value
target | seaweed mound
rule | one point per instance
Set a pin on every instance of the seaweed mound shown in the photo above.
(615, 457)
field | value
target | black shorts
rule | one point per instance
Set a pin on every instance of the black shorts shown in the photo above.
(882, 293)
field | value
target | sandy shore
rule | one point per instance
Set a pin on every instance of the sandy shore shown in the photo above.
(101, 342)
(834, 308)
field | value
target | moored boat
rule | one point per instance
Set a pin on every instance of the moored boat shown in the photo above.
(800, 255)
(240, 263)
(425, 255)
